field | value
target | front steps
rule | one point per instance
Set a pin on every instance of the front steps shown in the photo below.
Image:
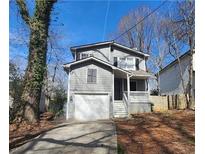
(119, 109)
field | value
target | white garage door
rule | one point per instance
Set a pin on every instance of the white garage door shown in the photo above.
(91, 107)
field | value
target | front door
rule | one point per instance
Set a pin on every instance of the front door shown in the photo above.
(118, 89)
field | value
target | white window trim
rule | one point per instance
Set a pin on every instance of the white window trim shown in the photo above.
(134, 62)
(81, 57)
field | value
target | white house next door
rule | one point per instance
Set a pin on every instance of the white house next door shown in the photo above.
(90, 107)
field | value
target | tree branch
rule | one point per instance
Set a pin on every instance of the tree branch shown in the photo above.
(23, 11)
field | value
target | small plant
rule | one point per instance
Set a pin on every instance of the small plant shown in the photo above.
(154, 92)
(120, 149)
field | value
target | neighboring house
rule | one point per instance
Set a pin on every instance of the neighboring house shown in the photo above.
(170, 82)
(106, 80)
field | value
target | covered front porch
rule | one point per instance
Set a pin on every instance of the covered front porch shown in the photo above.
(132, 90)
(133, 85)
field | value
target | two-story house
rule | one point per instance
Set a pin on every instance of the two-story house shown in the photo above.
(106, 80)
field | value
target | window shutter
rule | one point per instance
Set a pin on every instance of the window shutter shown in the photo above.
(115, 61)
(137, 63)
(92, 75)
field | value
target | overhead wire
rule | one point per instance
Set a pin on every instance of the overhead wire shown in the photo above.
(153, 11)
(105, 21)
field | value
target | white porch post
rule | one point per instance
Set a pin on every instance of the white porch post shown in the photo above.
(128, 88)
(68, 96)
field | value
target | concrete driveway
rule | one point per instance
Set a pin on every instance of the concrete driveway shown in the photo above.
(97, 137)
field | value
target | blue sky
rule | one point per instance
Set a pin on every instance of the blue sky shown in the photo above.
(83, 22)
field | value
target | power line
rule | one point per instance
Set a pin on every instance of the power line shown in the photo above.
(106, 15)
(141, 20)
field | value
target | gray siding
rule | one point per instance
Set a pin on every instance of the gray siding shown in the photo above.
(79, 78)
(170, 80)
(105, 54)
(102, 53)
(139, 108)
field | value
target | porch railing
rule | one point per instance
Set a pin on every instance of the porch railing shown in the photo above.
(138, 96)
(125, 101)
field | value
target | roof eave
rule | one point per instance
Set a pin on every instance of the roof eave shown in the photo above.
(93, 58)
(74, 48)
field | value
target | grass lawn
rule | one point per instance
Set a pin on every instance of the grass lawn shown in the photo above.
(157, 133)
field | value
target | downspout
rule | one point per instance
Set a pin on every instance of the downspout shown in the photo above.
(113, 91)
(68, 96)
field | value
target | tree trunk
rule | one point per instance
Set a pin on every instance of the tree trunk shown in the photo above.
(36, 67)
(191, 73)
(182, 80)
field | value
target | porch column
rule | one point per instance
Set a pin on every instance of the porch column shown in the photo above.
(128, 88)
(146, 85)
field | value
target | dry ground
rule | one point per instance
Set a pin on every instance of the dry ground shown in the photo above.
(157, 133)
(20, 133)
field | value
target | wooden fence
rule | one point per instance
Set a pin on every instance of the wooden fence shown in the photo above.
(164, 103)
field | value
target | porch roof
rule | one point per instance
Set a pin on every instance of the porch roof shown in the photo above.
(140, 73)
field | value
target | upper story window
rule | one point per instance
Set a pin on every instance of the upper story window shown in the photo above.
(92, 76)
(115, 61)
(84, 55)
(127, 63)
(137, 63)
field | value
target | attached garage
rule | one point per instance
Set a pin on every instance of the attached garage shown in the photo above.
(91, 106)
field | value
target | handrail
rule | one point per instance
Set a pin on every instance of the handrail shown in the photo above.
(125, 100)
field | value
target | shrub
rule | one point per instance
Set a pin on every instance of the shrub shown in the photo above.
(154, 92)
(56, 104)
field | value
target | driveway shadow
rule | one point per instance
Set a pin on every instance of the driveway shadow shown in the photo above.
(81, 137)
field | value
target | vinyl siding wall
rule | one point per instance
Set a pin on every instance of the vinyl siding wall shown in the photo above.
(170, 80)
(102, 53)
(105, 54)
(79, 83)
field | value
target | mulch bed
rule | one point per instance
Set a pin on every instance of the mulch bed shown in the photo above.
(157, 133)
(20, 133)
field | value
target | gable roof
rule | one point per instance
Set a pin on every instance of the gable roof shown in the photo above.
(108, 43)
(175, 61)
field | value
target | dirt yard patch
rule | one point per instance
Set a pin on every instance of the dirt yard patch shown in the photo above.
(20, 133)
(157, 133)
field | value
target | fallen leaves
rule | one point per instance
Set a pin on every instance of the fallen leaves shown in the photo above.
(19, 133)
(150, 133)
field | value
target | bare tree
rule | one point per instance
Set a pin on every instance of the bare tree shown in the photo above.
(186, 20)
(178, 33)
(147, 36)
(141, 36)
